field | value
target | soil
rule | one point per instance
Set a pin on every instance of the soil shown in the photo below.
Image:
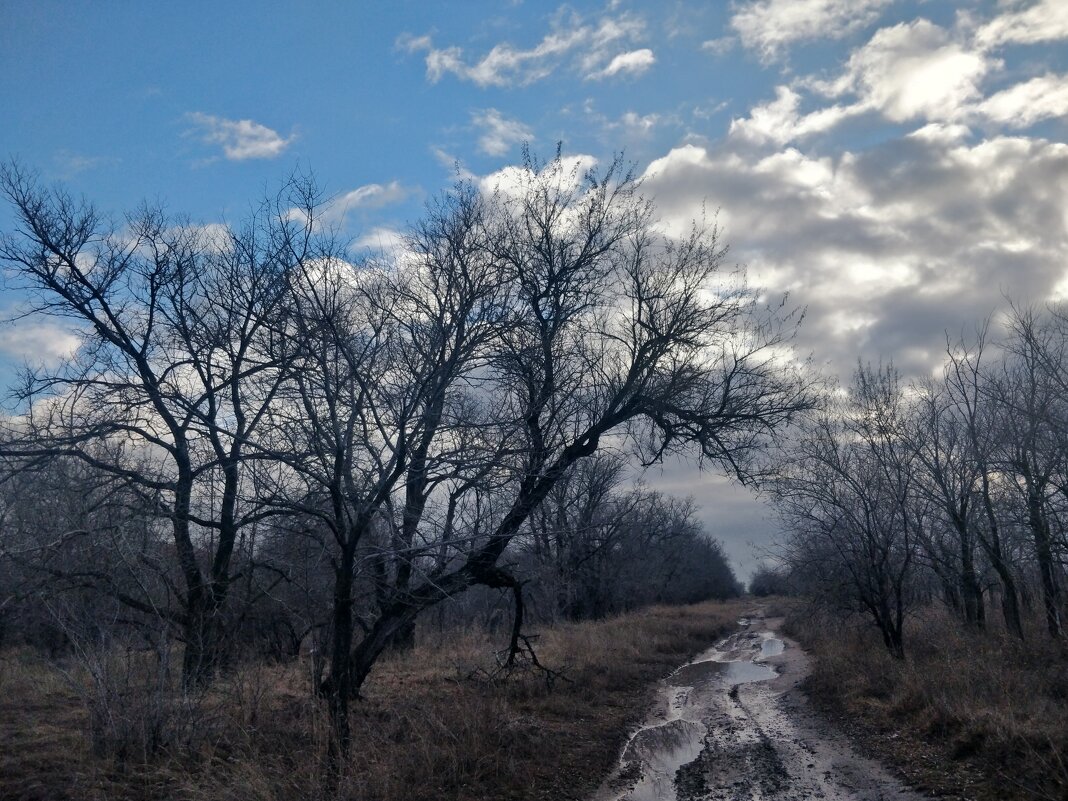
(734, 724)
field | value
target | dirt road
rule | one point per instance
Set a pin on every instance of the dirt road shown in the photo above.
(733, 725)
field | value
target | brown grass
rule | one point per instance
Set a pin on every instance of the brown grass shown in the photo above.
(425, 730)
(968, 714)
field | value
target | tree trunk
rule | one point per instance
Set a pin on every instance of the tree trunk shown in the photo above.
(337, 687)
(972, 592)
(1046, 567)
(1010, 598)
(404, 638)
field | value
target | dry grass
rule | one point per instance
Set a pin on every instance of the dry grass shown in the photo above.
(424, 731)
(968, 714)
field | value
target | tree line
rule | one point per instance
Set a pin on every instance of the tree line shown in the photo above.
(954, 486)
(265, 439)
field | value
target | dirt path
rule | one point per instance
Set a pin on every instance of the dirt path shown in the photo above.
(732, 725)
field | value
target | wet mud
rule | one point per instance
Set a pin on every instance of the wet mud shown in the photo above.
(732, 725)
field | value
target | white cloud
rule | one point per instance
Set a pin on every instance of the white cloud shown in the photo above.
(381, 239)
(504, 65)
(608, 38)
(454, 164)
(70, 164)
(413, 44)
(1027, 103)
(372, 196)
(38, 341)
(590, 46)
(240, 139)
(769, 26)
(634, 62)
(720, 46)
(1044, 21)
(638, 124)
(629, 130)
(511, 180)
(780, 120)
(888, 247)
(499, 133)
(368, 196)
(912, 70)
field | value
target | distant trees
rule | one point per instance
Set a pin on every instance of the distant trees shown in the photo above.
(596, 547)
(948, 486)
(768, 580)
(304, 443)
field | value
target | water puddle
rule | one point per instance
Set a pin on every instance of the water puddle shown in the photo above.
(675, 735)
(658, 752)
(723, 674)
(772, 646)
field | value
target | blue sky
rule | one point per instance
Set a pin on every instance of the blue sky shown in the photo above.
(898, 167)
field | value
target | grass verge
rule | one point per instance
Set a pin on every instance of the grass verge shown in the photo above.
(425, 729)
(967, 714)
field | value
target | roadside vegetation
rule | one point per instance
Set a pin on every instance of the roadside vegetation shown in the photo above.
(434, 723)
(963, 715)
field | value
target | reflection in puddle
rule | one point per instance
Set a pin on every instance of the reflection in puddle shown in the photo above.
(725, 674)
(655, 752)
(772, 646)
(660, 751)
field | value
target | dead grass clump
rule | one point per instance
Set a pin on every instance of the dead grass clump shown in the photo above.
(982, 702)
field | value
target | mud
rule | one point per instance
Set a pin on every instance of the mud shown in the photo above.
(733, 725)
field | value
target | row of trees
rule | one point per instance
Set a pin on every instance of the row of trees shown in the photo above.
(596, 547)
(255, 419)
(955, 486)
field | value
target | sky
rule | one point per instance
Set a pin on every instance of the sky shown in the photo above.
(899, 168)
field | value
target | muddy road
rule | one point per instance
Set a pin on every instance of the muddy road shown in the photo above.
(732, 725)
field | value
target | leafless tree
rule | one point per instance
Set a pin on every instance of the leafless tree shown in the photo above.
(175, 370)
(949, 478)
(965, 384)
(846, 492)
(613, 330)
(1029, 402)
(269, 397)
(378, 414)
(597, 545)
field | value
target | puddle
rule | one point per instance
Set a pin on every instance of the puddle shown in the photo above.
(724, 674)
(675, 736)
(659, 752)
(772, 646)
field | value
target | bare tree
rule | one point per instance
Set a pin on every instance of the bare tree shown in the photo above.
(950, 479)
(846, 492)
(613, 330)
(174, 373)
(269, 399)
(965, 384)
(1028, 400)
(597, 545)
(378, 415)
